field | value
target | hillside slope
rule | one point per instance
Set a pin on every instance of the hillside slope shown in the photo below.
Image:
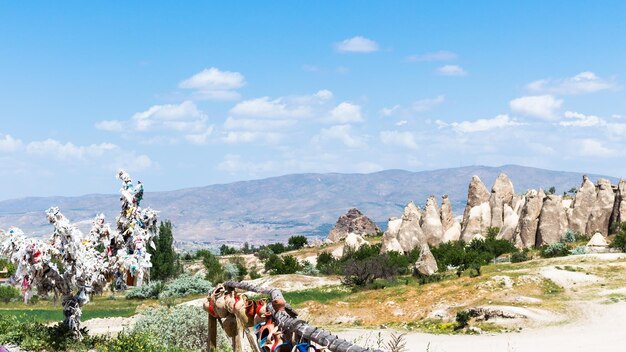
(274, 208)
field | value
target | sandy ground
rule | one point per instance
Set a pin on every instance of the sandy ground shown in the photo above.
(602, 329)
(109, 326)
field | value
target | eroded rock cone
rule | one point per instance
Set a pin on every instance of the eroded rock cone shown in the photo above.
(579, 213)
(501, 193)
(431, 223)
(477, 194)
(353, 221)
(453, 233)
(354, 242)
(390, 237)
(447, 217)
(410, 234)
(602, 209)
(620, 210)
(527, 228)
(426, 264)
(552, 220)
(511, 219)
(478, 221)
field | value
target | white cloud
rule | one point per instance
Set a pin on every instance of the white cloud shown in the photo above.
(389, 111)
(345, 113)
(341, 133)
(214, 79)
(592, 147)
(428, 103)
(232, 163)
(110, 125)
(178, 117)
(213, 84)
(576, 119)
(542, 106)
(451, 70)
(256, 124)
(67, 151)
(264, 107)
(441, 55)
(500, 121)
(200, 138)
(401, 123)
(402, 139)
(584, 82)
(8, 144)
(324, 94)
(356, 44)
(237, 137)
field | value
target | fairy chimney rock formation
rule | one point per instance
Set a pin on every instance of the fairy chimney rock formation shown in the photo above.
(501, 193)
(620, 202)
(447, 217)
(477, 194)
(426, 264)
(409, 234)
(353, 221)
(579, 213)
(602, 208)
(552, 220)
(526, 232)
(431, 223)
(509, 224)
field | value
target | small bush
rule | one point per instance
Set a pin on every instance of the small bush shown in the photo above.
(519, 257)
(186, 285)
(183, 327)
(462, 319)
(297, 242)
(619, 242)
(135, 341)
(552, 250)
(309, 269)
(150, 290)
(579, 250)
(8, 293)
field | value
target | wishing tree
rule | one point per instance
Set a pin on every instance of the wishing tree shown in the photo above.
(71, 265)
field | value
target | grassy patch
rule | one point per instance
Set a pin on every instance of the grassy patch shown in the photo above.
(321, 295)
(550, 288)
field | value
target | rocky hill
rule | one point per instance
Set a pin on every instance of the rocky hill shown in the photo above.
(274, 208)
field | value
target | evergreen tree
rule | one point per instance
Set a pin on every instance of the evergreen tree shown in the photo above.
(164, 258)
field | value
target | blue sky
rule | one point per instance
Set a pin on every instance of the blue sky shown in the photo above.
(197, 93)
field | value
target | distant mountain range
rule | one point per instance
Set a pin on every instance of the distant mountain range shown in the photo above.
(275, 208)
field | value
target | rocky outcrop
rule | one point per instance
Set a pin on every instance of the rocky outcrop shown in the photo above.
(426, 264)
(511, 219)
(453, 233)
(621, 202)
(526, 232)
(404, 234)
(447, 217)
(390, 237)
(501, 194)
(352, 222)
(477, 194)
(597, 244)
(478, 221)
(354, 241)
(552, 220)
(602, 208)
(578, 215)
(431, 223)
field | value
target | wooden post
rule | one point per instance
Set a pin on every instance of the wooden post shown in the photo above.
(212, 341)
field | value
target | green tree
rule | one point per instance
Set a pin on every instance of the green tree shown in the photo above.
(619, 242)
(164, 259)
(214, 270)
(297, 242)
(552, 190)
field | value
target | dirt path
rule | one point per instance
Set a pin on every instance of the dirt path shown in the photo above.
(601, 329)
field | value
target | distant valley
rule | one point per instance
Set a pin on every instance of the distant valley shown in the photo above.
(272, 209)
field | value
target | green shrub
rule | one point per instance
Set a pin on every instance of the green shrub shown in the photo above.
(462, 319)
(177, 327)
(186, 285)
(8, 293)
(277, 265)
(579, 250)
(309, 269)
(297, 242)
(146, 291)
(519, 257)
(254, 273)
(135, 341)
(552, 250)
(619, 242)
